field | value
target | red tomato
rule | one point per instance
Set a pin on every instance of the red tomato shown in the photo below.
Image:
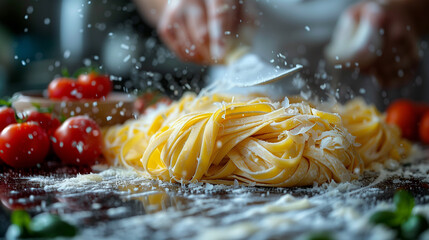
(45, 120)
(94, 85)
(403, 114)
(140, 105)
(144, 101)
(422, 108)
(165, 100)
(424, 128)
(78, 141)
(7, 117)
(23, 144)
(150, 100)
(64, 89)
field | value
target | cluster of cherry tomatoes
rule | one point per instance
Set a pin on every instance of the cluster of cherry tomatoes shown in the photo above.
(87, 86)
(411, 117)
(27, 141)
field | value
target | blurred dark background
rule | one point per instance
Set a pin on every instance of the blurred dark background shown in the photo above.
(39, 38)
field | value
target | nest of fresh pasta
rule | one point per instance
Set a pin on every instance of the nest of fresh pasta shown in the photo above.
(257, 141)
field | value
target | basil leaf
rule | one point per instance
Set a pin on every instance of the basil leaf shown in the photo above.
(414, 226)
(65, 72)
(387, 218)
(41, 109)
(36, 105)
(20, 218)
(20, 225)
(319, 236)
(86, 70)
(62, 118)
(404, 203)
(48, 226)
(5, 103)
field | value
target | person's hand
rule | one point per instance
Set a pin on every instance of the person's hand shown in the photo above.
(387, 46)
(197, 30)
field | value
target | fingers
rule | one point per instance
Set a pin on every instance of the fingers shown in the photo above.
(374, 13)
(184, 45)
(196, 30)
(184, 31)
(355, 11)
(196, 21)
(222, 22)
(172, 36)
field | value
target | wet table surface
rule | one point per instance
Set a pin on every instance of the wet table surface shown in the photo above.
(118, 204)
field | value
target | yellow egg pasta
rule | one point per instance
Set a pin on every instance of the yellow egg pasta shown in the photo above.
(222, 139)
(377, 140)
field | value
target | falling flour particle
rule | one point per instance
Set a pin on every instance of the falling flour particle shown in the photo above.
(127, 58)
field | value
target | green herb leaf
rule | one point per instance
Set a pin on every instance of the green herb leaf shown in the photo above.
(404, 203)
(49, 109)
(20, 119)
(41, 109)
(85, 70)
(48, 226)
(319, 236)
(21, 218)
(65, 72)
(41, 226)
(407, 225)
(62, 118)
(413, 227)
(36, 105)
(20, 227)
(387, 218)
(5, 103)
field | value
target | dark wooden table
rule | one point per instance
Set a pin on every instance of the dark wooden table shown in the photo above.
(131, 207)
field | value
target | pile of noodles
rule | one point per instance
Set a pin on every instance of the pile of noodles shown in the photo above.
(220, 139)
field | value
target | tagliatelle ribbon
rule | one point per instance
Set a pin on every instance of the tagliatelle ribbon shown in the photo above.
(378, 141)
(220, 139)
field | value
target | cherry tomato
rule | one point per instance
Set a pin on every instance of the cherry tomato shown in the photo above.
(422, 108)
(64, 89)
(144, 101)
(7, 117)
(78, 141)
(165, 100)
(45, 120)
(150, 101)
(94, 85)
(23, 144)
(424, 128)
(403, 114)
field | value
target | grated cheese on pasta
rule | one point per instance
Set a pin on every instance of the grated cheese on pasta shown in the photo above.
(222, 139)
